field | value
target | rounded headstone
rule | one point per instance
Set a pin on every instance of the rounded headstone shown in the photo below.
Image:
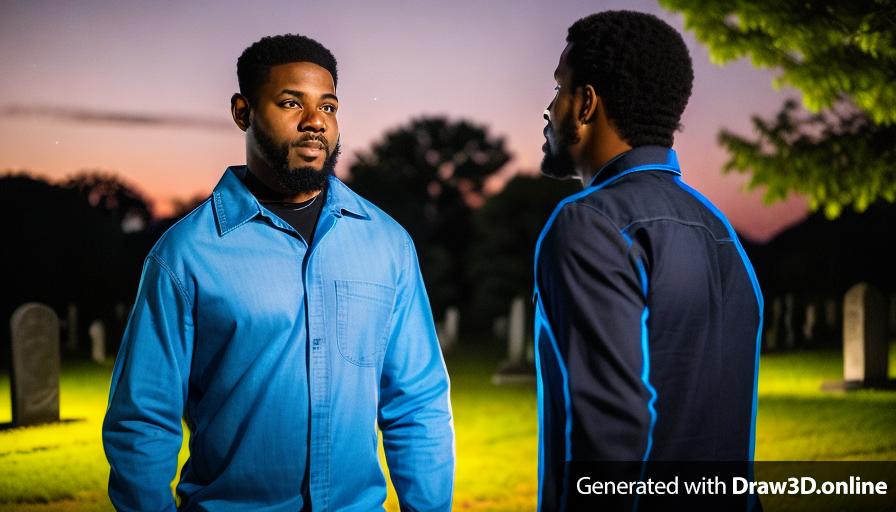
(35, 364)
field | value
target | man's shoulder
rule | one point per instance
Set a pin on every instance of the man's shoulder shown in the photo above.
(653, 197)
(197, 225)
(586, 206)
(628, 198)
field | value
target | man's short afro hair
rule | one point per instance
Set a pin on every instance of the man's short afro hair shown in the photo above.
(641, 69)
(255, 63)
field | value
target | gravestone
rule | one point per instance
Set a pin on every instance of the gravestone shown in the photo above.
(830, 331)
(864, 335)
(34, 372)
(516, 332)
(71, 328)
(865, 343)
(452, 322)
(499, 327)
(97, 332)
(830, 313)
(809, 323)
(515, 368)
(789, 331)
(446, 330)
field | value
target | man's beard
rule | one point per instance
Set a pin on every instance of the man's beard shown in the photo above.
(557, 162)
(295, 180)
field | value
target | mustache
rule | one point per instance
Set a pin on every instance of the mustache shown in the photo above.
(311, 138)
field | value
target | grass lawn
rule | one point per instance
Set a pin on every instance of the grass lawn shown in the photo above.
(62, 466)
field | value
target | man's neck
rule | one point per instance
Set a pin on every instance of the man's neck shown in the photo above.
(603, 152)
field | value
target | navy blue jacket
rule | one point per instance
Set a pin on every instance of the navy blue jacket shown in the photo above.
(648, 322)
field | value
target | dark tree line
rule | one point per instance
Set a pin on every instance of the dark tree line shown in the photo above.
(69, 244)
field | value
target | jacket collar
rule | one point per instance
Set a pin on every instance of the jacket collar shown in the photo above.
(637, 159)
(234, 204)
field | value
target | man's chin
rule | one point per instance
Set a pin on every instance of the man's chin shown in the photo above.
(306, 169)
(556, 170)
(302, 165)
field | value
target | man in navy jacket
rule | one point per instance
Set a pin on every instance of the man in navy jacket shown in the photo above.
(648, 312)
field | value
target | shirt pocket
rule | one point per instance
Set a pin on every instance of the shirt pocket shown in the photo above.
(363, 313)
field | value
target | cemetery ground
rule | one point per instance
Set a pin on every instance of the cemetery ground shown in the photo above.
(62, 467)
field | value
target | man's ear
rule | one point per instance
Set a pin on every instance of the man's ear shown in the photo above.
(590, 105)
(240, 110)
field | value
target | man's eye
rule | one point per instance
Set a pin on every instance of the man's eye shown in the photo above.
(329, 108)
(290, 104)
(556, 87)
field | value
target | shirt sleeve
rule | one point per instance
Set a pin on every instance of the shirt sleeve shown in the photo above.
(142, 432)
(414, 409)
(593, 289)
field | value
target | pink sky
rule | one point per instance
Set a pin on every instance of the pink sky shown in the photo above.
(490, 62)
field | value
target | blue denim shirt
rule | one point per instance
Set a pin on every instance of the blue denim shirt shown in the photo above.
(282, 360)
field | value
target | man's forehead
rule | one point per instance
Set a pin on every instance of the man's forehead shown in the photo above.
(562, 66)
(301, 72)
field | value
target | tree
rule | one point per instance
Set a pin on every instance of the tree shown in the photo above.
(428, 175)
(842, 57)
(108, 192)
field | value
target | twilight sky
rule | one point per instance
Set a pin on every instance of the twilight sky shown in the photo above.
(142, 89)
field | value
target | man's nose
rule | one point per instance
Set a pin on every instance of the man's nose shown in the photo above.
(312, 121)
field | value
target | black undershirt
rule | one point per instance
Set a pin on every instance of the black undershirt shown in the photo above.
(301, 216)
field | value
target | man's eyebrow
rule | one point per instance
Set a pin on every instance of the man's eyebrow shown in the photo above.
(300, 94)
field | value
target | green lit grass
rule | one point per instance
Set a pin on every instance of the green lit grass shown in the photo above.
(797, 421)
(62, 466)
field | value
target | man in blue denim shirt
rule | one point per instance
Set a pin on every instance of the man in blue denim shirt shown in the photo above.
(281, 356)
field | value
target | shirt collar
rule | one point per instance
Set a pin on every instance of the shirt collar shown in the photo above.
(636, 159)
(234, 204)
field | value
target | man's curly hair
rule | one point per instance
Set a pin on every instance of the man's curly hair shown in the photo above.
(641, 69)
(254, 65)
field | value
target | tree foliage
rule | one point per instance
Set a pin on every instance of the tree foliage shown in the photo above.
(842, 57)
(824, 49)
(834, 158)
(110, 193)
